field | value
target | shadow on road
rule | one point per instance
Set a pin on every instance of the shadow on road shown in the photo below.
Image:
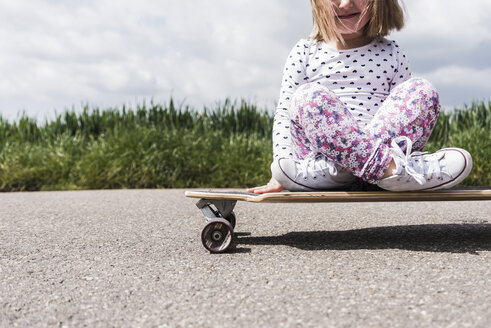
(453, 238)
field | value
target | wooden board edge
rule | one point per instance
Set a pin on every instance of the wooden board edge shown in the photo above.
(219, 196)
(380, 196)
(349, 196)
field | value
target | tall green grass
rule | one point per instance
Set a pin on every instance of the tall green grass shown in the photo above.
(151, 146)
(468, 128)
(174, 146)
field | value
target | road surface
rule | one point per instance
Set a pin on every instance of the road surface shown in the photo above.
(133, 258)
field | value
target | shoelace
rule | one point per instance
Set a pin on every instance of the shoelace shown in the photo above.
(316, 165)
(414, 164)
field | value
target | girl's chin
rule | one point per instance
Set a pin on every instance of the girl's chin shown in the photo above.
(348, 33)
(355, 29)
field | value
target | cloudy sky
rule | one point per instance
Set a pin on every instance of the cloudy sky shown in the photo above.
(61, 54)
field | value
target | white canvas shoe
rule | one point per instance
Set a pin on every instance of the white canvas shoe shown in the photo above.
(421, 171)
(318, 173)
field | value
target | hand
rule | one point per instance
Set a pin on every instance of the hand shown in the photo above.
(272, 186)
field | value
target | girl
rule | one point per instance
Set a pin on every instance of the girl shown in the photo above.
(349, 108)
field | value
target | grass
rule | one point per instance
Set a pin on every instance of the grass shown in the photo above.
(468, 128)
(169, 146)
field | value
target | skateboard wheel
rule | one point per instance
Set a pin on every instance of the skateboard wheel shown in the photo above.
(232, 219)
(216, 235)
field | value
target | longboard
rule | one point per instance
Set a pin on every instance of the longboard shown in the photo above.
(218, 206)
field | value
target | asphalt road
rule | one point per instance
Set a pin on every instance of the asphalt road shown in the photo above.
(133, 258)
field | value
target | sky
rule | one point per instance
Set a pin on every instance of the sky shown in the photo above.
(58, 55)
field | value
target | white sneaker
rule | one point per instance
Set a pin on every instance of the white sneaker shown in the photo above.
(421, 171)
(318, 173)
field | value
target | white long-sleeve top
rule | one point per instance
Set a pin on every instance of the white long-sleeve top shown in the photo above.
(361, 78)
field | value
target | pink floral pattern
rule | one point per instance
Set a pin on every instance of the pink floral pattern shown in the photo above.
(322, 124)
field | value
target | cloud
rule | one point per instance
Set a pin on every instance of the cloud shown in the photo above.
(460, 76)
(443, 32)
(108, 53)
(460, 82)
(449, 21)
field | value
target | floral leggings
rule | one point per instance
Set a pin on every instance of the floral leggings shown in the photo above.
(322, 124)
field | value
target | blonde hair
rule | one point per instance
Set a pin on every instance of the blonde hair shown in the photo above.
(386, 15)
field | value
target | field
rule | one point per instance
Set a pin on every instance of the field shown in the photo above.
(169, 146)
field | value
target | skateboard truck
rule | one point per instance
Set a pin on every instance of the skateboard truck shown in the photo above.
(223, 208)
(217, 233)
